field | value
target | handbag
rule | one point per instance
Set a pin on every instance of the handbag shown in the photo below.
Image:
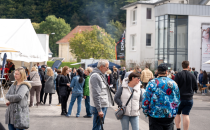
(121, 111)
(21, 116)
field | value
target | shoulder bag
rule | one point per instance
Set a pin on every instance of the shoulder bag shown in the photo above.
(21, 116)
(121, 111)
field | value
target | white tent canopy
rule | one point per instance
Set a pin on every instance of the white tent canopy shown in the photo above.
(20, 35)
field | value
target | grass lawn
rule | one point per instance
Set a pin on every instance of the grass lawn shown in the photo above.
(50, 63)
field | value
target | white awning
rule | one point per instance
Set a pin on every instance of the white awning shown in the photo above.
(20, 35)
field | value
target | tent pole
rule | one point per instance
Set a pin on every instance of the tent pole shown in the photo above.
(0, 60)
(22, 63)
(30, 67)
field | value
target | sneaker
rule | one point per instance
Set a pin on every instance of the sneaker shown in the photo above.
(50, 104)
(68, 115)
(203, 94)
(58, 105)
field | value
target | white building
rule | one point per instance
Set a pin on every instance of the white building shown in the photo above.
(168, 32)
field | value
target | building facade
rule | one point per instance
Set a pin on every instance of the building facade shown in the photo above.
(168, 32)
(64, 44)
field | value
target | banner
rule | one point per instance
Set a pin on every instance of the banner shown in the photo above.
(3, 65)
(205, 46)
(57, 63)
(120, 48)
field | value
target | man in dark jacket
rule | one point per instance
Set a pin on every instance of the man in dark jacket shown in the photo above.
(42, 74)
(187, 84)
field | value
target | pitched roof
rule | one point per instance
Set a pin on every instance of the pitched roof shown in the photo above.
(70, 35)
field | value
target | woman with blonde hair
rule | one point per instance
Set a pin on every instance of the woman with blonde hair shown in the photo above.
(18, 100)
(36, 86)
(86, 92)
(64, 85)
(49, 85)
(109, 77)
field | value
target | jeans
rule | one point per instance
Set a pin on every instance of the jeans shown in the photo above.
(134, 120)
(87, 105)
(204, 91)
(75, 96)
(96, 120)
(11, 127)
(117, 84)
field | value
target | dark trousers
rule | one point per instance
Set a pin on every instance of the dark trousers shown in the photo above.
(42, 92)
(59, 97)
(68, 94)
(87, 105)
(145, 85)
(161, 123)
(64, 103)
(50, 97)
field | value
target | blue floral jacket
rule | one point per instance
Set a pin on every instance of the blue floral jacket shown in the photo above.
(161, 99)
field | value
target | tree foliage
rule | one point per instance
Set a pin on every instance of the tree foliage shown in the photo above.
(95, 44)
(75, 12)
(115, 29)
(53, 25)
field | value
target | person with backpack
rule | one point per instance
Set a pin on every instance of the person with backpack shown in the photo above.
(77, 92)
(130, 88)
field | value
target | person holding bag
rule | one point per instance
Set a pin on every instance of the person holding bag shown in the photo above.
(17, 113)
(49, 85)
(36, 86)
(129, 98)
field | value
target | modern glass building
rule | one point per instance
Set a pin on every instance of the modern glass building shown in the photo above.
(171, 40)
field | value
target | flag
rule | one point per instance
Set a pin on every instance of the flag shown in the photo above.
(120, 48)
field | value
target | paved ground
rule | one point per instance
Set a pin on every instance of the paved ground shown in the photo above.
(48, 117)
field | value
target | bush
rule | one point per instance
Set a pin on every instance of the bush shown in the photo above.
(50, 63)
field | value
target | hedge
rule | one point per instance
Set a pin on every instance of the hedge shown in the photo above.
(50, 63)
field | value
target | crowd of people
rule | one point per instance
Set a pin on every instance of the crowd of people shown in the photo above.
(162, 96)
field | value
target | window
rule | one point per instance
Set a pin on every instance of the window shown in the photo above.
(133, 17)
(133, 42)
(148, 39)
(149, 13)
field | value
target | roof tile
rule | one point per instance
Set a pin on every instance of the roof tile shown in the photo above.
(70, 35)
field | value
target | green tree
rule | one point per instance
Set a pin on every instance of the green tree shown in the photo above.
(57, 26)
(36, 26)
(95, 44)
(115, 29)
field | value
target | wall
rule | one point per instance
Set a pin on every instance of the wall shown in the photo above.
(44, 39)
(143, 26)
(194, 40)
(64, 52)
